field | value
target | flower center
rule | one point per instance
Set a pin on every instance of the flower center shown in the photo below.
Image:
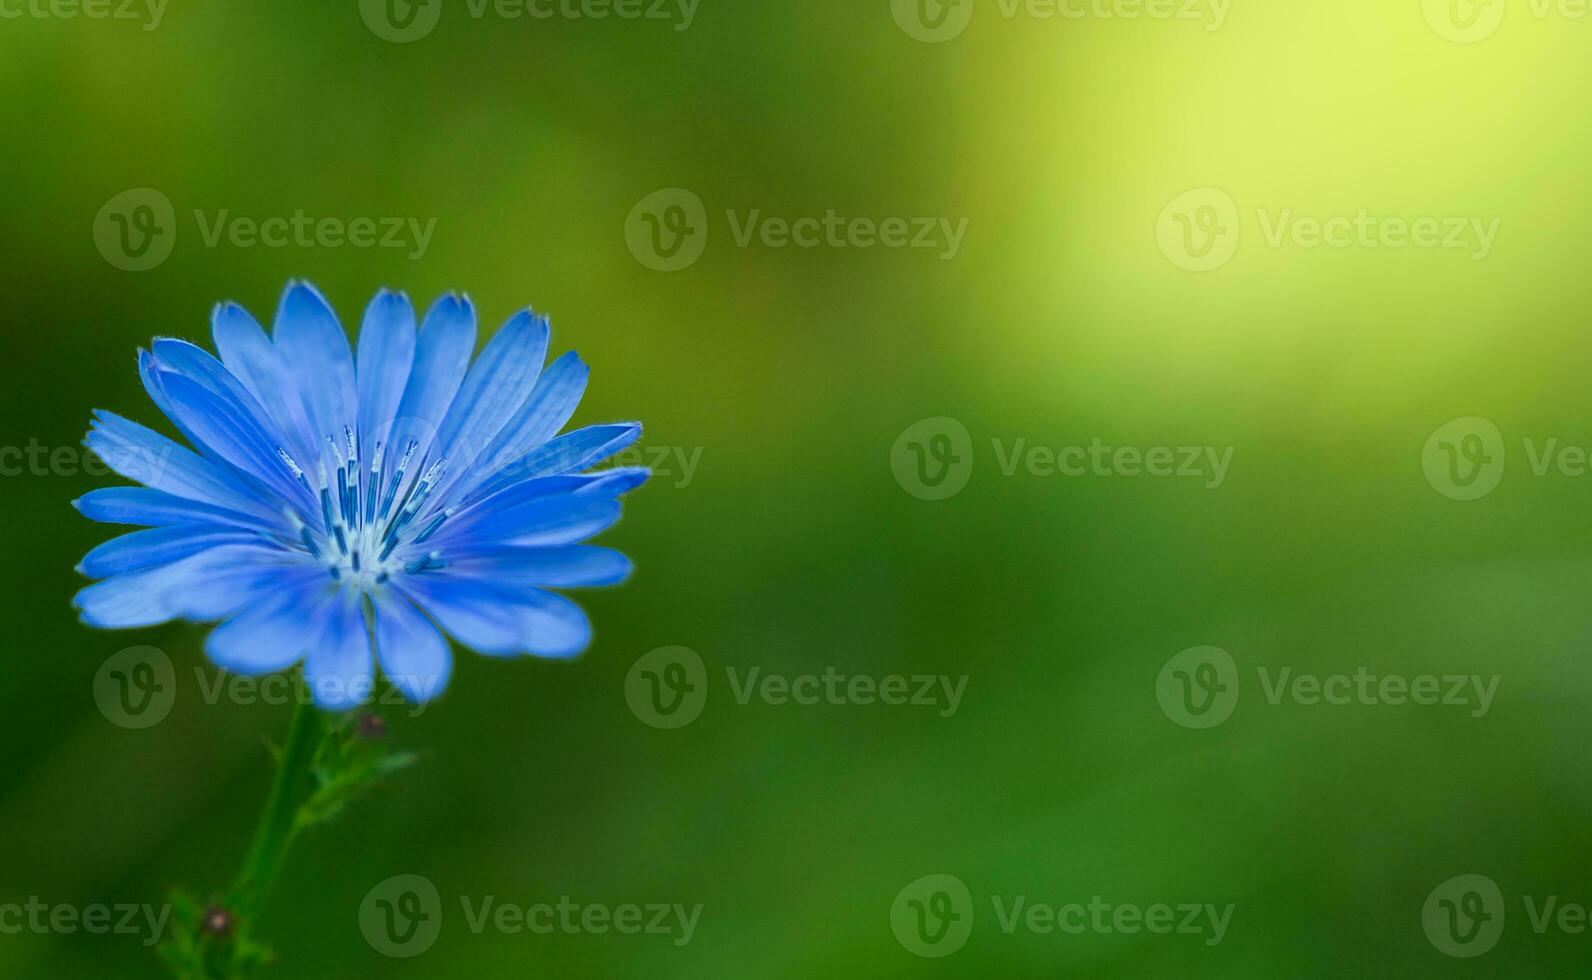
(367, 516)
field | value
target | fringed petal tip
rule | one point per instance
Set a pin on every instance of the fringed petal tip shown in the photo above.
(387, 295)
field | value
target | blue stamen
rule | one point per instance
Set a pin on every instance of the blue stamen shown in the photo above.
(309, 542)
(427, 482)
(389, 540)
(292, 467)
(343, 499)
(431, 528)
(375, 486)
(398, 478)
(428, 563)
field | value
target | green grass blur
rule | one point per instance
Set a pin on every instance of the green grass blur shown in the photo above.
(792, 548)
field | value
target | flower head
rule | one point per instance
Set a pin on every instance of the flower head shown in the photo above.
(339, 510)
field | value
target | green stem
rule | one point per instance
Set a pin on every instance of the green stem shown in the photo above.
(279, 824)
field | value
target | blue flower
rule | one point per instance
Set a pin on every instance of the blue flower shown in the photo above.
(336, 505)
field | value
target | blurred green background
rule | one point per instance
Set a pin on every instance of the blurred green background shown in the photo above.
(793, 547)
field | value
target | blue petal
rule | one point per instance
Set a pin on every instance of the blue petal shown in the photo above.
(275, 634)
(567, 567)
(153, 508)
(513, 514)
(610, 483)
(493, 392)
(208, 585)
(244, 576)
(386, 355)
(157, 546)
(606, 484)
(247, 352)
(414, 656)
(570, 452)
(340, 669)
(229, 432)
(442, 354)
(558, 519)
(232, 400)
(553, 401)
(478, 617)
(552, 625)
(240, 577)
(315, 351)
(135, 599)
(197, 364)
(502, 621)
(578, 450)
(142, 454)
